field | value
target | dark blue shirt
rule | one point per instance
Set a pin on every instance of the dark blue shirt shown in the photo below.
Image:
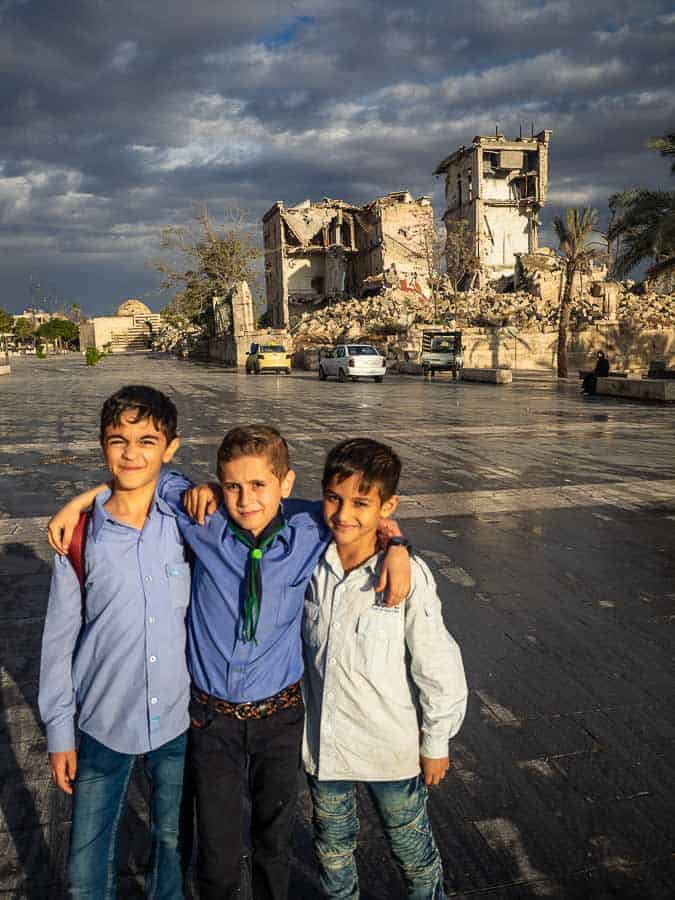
(220, 662)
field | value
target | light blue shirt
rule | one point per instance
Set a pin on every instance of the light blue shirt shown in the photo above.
(121, 667)
(220, 662)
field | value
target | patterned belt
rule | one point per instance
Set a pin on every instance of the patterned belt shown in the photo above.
(257, 709)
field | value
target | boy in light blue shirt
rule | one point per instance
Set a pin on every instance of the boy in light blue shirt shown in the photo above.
(113, 653)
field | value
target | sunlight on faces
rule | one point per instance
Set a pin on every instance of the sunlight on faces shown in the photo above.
(134, 451)
(252, 491)
(352, 511)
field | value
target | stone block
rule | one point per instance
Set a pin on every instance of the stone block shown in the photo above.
(490, 376)
(637, 389)
(5, 370)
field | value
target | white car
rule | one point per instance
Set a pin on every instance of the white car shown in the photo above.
(353, 361)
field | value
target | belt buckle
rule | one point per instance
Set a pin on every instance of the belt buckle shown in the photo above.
(241, 711)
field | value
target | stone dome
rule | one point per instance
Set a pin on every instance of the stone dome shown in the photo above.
(133, 308)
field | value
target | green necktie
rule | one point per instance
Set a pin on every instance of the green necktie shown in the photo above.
(253, 580)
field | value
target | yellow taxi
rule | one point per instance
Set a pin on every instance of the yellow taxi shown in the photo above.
(268, 358)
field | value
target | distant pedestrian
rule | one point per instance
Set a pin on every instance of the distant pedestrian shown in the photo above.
(601, 370)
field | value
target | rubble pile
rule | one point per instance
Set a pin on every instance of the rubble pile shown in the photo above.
(650, 310)
(181, 340)
(396, 312)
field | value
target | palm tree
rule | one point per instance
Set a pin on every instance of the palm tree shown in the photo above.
(572, 232)
(643, 223)
(665, 145)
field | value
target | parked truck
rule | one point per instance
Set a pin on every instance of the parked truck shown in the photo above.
(442, 351)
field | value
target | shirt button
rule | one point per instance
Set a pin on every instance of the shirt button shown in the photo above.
(336, 625)
(153, 659)
(332, 660)
(148, 577)
(151, 620)
(330, 695)
(153, 700)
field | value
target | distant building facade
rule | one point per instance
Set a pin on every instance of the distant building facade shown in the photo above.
(130, 329)
(498, 186)
(335, 249)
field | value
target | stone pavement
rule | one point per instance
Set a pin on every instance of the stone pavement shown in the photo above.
(548, 520)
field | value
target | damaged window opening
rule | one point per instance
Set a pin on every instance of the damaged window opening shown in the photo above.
(490, 159)
(317, 284)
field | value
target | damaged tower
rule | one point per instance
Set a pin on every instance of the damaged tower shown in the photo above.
(498, 186)
(334, 249)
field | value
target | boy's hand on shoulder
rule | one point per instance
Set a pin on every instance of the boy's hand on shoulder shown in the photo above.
(62, 525)
(434, 769)
(202, 500)
(395, 576)
(64, 769)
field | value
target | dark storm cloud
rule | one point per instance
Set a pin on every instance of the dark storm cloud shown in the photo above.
(121, 117)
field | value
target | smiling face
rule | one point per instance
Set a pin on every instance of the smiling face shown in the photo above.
(252, 492)
(352, 512)
(134, 451)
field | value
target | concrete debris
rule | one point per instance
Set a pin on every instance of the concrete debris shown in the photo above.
(393, 315)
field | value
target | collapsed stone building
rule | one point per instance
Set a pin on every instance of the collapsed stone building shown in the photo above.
(334, 249)
(498, 186)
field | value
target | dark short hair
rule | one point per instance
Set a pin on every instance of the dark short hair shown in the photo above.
(147, 403)
(255, 440)
(376, 463)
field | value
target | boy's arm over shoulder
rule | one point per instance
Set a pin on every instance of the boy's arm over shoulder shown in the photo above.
(435, 663)
(171, 487)
(56, 698)
(308, 513)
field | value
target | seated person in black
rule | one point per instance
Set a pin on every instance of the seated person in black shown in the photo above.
(601, 371)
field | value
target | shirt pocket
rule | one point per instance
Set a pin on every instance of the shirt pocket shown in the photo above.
(379, 641)
(310, 622)
(289, 607)
(178, 576)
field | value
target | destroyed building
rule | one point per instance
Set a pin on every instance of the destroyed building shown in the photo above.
(334, 249)
(498, 186)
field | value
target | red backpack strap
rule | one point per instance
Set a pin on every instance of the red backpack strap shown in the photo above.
(76, 548)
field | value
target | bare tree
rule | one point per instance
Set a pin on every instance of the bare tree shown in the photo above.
(215, 257)
(461, 260)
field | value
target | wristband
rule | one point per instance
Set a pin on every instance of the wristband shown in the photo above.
(400, 542)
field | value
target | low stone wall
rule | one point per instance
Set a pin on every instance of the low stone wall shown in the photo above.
(657, 389)
(5, 370)
(488, 376)
(626, 347)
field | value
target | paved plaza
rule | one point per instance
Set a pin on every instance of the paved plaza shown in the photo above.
(549, 522)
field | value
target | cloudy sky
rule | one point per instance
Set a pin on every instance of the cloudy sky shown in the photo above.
(120, 117)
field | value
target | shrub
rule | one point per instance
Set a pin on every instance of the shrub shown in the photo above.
(93, 356)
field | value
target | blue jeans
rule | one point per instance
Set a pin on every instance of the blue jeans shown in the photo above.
(402, 807)
(99, 795)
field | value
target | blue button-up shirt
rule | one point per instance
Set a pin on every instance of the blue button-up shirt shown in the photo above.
(122, 665)
(220, 662)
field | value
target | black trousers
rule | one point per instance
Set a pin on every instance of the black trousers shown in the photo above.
(229, 756)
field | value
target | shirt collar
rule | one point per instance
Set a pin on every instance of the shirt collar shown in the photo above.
(99, 515)
(279, 519)
(371, 566)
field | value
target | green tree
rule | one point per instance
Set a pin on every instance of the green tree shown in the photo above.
(23, 329)
(573, 233)
(643, 224)
(213, 258)
(6, 322)
(59, 331)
